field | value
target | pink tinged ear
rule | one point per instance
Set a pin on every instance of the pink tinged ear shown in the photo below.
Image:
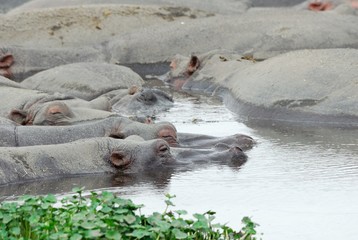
(193, 65)
(6, 61)
(18, 116)
(133, 89)
(120, 159)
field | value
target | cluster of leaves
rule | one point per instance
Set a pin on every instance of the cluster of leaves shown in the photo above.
(106, 216)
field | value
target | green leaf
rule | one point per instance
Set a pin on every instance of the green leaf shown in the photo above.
(76, 236)
(130, 219)
(179, 223)
(6, 219)
(181, 212)
(107, 196)
(50, 198)
(138, 234)
(106, 209)
(93, 234)
(88, 225)
(169, 203)
(113, 234)
(179, 234)
(15, 231)
(78, 190)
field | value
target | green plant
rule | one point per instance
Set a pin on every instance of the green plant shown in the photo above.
(106, 216)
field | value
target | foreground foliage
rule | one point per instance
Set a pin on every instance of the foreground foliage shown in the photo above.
(106, 216)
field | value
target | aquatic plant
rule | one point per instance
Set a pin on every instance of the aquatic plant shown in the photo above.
(106, 216)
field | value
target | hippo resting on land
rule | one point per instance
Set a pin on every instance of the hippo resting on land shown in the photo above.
(18, 63)
(98, 155)
(307, 86)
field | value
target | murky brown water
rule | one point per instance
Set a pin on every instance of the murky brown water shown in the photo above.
(297, 183)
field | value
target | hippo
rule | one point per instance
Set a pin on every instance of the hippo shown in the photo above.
(86, 81)
(102, 155)
(27, 107)
(113, 126)
(298, 87)
(19, 63)
(147, 102)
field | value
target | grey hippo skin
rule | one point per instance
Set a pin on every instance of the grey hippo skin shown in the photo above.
(22, 62)
(98, 155)
(18, 164)
(301, 87)
(147, 102)
(115, 127)
(32, 107)
(84, 80)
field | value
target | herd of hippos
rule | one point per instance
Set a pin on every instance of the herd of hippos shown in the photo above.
(71, 74)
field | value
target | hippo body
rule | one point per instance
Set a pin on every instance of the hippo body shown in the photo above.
(98, 155)
(84, 80)
(115, 126)
(95, 155)
(27, 106)
(27, 61)
(306, 86)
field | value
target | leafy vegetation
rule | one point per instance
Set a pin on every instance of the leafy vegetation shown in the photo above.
(106, 216)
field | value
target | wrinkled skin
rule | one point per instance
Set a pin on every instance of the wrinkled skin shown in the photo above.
(19, 164)
(115, 127)
(147, 102)
(98, 155)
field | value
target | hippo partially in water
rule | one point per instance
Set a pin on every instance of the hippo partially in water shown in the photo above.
(115, 127)
(299, 87)
(98, 155)
(32, 107)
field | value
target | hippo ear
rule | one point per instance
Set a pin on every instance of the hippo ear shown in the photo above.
(18, 116)
(6, 61)
(193, 65)
(120, 159)
(133, 89)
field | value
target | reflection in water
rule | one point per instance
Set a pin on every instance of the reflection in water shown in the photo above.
(298, 183)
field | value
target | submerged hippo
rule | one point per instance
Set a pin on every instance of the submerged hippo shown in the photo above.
(98, 155)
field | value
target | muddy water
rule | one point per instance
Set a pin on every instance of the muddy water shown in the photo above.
(297, 183)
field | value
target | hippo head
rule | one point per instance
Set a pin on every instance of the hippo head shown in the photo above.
(181, 68)
(146, 155)
(147, 102)
(49, 113)
(167, 132)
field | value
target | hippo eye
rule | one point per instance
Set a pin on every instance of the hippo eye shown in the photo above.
(163, 148)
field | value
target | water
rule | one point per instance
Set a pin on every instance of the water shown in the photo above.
(297, 183)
